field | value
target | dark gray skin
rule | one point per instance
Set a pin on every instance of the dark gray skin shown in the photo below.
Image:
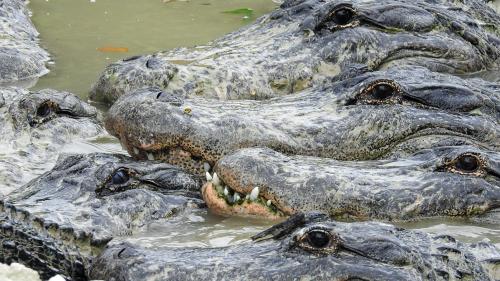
(22, 60)
(310, 247)
(58, 222)
(300, 45)
(380, 114)
(444, 181)
(35, 126)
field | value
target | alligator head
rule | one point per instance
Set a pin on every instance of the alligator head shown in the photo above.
(22, 60)
(310, 246)
(59, 221)
(371, 116)
(34, 128)
(443, 181)
(304, 42)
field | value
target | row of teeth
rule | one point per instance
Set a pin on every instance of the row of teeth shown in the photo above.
(232, 196)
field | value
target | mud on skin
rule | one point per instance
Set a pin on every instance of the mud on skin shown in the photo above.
(304, 42)
(381, 114)
(58, 222)
(22, 60)
(325, 249)
(443, 181)
(34, 127)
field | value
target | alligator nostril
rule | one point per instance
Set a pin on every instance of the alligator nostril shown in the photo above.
(159, 95)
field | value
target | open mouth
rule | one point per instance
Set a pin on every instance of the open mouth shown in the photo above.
(224, 200)
(221, 198)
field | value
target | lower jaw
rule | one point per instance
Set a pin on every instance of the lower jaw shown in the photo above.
(245, 208)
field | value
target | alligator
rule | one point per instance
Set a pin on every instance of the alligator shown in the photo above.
(58, 222)
(309, 246)
(388, 113)
(35, 125)
(22, 60)
(307, 42)
(444, 181)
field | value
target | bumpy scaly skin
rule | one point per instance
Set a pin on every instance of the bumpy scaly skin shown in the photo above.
(342, 121)
(354, 251)
(59, 221)
(34, 127)
(299, 45)
(21, 58)
(430, 183)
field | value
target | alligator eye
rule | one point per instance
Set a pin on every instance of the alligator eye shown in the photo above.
(467, 163)
(318, 239)
(342, 16)
(379, 92)
(43, 110)
(382, 91)
(120, 177)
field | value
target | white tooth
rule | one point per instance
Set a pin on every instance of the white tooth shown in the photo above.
(236, 197)
(150, 156)
(136, 151)
(268, 202)
(209, 177)
(226, 191)
(254, 194)
(206, 167)
(216, 179)
(247, 197)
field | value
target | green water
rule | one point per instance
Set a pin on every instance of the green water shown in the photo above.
(73, 30)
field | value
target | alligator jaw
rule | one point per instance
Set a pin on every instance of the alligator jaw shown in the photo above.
(175, 155)
(224, 201)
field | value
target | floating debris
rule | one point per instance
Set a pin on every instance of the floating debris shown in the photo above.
(113, 49)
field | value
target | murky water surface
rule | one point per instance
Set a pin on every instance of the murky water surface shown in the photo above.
(84, 36)
(202, 229)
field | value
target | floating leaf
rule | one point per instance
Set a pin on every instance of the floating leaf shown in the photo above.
(113, 49)
(242, 11)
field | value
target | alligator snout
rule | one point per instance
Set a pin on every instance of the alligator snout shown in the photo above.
(147, 70)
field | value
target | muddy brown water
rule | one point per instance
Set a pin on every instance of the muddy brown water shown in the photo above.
(83, 36)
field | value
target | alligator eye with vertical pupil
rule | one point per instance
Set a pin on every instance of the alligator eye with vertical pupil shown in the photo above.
(467, 163)
(318, 239)
(120, 177)
(43, 110)
(342, 16)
